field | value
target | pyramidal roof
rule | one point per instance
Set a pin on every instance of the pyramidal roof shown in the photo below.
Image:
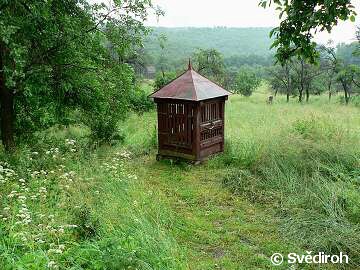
(191, 86)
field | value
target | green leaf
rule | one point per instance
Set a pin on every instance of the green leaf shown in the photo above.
(281, 14)
(352, 18)
(276, 29)
(275, 44)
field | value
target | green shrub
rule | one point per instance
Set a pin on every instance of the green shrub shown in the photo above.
(163, 78)
(140, 101)
(104, 129)
(246, 81)
(88, 226)
(355, 101)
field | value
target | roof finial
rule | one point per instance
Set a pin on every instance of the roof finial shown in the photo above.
(190, 66)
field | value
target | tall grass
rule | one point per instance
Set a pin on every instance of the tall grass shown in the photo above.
(67, 205)
(62, 209)
(304, 162)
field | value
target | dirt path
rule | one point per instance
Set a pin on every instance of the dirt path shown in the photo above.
(216, 229)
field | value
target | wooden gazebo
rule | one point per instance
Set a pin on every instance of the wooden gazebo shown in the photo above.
(190, 117)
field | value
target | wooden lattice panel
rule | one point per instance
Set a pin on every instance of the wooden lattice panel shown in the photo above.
(176, 124)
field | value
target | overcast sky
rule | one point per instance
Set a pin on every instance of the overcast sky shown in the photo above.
(235, 13)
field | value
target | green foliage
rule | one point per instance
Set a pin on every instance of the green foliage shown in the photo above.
(62, 57)
(140, 101)
(300, 20)
(355, 101)
(348, 53)
(106, 108)
(209, 63)
(279, 78)
(237, 61)
(163, 78)
(233, 45)
(181, 43)
(347, 73)
(247, 81)
(334, 72)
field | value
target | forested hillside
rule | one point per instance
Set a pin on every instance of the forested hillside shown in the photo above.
(180, 43)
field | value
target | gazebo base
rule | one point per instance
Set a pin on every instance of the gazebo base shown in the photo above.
(168, 154)
(174, 154)
(194, 162)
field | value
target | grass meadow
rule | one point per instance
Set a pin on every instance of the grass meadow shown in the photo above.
(288, 182)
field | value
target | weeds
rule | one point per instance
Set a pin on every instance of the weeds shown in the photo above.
(308, 173)
(59, 210)
(67, 205)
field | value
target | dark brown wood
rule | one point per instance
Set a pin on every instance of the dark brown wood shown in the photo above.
(191, 130)
(190, 117)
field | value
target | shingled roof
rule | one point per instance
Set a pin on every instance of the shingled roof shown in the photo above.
(191, 86)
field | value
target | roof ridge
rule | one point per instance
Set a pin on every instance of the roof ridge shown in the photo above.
(192, 79)
(190, 85)
(213, 82)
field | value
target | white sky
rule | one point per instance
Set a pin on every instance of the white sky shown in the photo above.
(236, 13)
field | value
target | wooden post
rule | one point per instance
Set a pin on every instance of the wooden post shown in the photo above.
(222, 117)
(197, 120)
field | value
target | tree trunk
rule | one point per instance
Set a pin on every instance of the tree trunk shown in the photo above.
(345, 92)
(300, 95)
(301, 90)
(7, 107)
(307, 90)
(288, 82)
(307, 95)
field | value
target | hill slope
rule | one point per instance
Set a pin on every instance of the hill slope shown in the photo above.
(182, 42)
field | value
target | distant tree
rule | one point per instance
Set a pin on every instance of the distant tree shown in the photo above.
(247, 81)
(162, 39)
(349, 53)
(357, 50)
(280, 80)
(210, 63)
(341, 67)
(329, 62)
(163, 78)
(346, 76)
(304, 75)
(229, 79)
(237, 61)
(301, 19)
